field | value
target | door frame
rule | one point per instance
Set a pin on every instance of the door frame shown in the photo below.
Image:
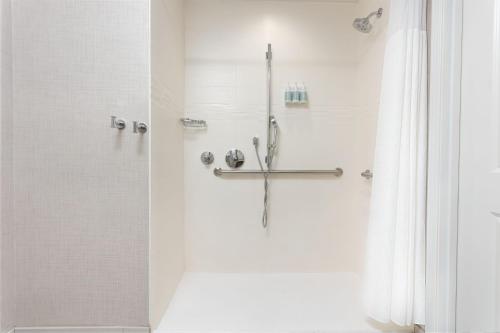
(443, 164)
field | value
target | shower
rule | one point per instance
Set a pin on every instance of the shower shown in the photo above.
(363, 24)
(273, 134)
(272, 137)
(271, 152)
(201, 188)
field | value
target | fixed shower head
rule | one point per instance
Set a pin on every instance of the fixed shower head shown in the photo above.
(363, 24)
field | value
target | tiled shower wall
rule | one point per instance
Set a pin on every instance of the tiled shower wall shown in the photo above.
(167, 153)
(315, 221)
(7, 267)
(371, 48)
(80, 187)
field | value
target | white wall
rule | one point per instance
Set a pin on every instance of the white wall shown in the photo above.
(167, 153)
(315, 224)
(81, 188)
(371, 48)
(7, 267)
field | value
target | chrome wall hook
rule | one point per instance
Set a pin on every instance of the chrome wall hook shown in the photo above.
(118, 123)
(367, 174)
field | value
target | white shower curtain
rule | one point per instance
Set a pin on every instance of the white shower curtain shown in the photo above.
(395, 262)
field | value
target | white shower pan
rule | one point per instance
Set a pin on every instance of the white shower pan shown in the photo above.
(288, 302)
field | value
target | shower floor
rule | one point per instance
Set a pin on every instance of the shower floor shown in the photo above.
(326, 302)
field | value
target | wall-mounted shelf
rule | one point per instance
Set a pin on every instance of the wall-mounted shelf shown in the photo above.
(193, 123)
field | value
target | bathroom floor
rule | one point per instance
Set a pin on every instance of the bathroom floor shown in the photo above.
(323, 302)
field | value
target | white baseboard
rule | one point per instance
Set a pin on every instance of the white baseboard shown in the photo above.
(82, 330)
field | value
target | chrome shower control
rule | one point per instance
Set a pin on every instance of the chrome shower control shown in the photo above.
(235, 158)
(207, 158)
(140, 127)
(118, 123)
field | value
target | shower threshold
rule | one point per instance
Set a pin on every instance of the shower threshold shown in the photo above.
(265, 303)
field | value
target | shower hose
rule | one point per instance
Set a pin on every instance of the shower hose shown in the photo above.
(269, 160)
(266, 184)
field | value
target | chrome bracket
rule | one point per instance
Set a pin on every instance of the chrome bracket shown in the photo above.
(367, 174)
(118, 123)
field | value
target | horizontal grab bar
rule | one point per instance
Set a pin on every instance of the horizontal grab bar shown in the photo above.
(220, 172)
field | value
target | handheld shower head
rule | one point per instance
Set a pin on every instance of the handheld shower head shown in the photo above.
(274, 123)
(363, 24)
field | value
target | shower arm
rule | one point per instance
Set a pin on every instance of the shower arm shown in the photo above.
(378, 13)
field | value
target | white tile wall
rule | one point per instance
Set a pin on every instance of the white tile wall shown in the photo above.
(371, 58)
(167, 159)
(315, 222)
(81, 188)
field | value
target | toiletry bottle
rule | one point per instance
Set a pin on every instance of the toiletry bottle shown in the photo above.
(303, 94)
(296, 94)
(288, 94)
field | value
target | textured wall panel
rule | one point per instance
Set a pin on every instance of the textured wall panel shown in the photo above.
(81, 188)
(8, 278)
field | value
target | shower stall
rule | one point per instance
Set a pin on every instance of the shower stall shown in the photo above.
(275, 221)
(189, 165)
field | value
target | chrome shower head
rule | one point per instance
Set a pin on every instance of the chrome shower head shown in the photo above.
(363, 24)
